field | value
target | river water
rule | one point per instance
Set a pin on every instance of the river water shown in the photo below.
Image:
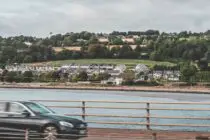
(54, 94)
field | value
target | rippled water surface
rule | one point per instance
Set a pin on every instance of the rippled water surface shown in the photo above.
(40, 94)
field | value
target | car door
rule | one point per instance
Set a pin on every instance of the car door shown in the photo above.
(17, 120)
(3, 115)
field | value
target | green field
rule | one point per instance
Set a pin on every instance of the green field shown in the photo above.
(127, 62)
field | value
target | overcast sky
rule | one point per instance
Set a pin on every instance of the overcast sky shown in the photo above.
(40, 17)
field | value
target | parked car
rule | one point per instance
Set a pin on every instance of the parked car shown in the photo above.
(37, 117)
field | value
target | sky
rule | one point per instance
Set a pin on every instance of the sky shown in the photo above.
(40, 17)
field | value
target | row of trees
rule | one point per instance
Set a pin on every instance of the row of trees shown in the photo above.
(53, 76)
(161, 47)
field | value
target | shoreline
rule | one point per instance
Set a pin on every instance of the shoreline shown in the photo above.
(193, 90)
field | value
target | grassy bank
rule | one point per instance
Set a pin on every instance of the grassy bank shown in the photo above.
(127, 62)
(73, 86)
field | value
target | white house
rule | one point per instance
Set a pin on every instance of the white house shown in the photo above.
(120, 67)
(103, 40)
(141, 68)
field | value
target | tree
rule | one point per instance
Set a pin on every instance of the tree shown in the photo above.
(187, 72)
(114, 52)
(28, 76)
(203, 64)
(128, 76)
(98, 51)
(124, 51)
(27, 59)
(11, 76)
(104, 76)
(55, 75)
(93, 40)
(76, 55)
(64, 54)
(156, 56)
(3, 75)
(82, 76)
(117, 41)
(139, 41)
(137, 49)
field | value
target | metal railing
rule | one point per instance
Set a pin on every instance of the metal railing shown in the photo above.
(148, 115)
(148, 108)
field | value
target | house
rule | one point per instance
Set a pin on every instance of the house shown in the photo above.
(114, 73)
(28, 43)
(113, 46)
(133, 47)
(143, 46)
(81, 40)
(141, 68)
(103, 40)
(120, 67)
(128, 40)
(114, 81)
(136, 36)
(70, 48)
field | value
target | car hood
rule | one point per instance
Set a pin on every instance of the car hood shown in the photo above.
(62, 118)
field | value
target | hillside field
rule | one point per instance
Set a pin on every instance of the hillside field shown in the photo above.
(127, 62)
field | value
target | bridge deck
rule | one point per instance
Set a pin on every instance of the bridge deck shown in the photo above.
(121, 134)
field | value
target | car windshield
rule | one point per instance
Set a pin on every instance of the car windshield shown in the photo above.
(38, 108)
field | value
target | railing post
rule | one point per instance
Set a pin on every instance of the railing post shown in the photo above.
(148, 116)
(154, 136)
(26, 134)
(83, 110)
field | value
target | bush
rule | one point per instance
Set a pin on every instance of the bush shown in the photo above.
(145, 83)
(28, 76)
(13, 77)
(128, 82)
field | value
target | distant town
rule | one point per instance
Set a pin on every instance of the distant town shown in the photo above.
(165, 57)
(101, 73)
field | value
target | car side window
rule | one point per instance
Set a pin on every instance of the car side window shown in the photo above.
(16, 108)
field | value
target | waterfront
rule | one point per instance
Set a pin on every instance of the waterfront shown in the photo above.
(55, 94)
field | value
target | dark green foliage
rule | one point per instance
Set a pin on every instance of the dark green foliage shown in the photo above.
(203, 65)
(203, 76)
(28, 76)
(3, 75)
(187, 72)
(98, 51)
(184, 46)
(82, 76)
(128, 76)
(117, 41)
(13, 77)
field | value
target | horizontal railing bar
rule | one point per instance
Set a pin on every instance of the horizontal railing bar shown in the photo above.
(152, 124)
(140, 102)
(101, 115)
(98, 107)
(181, 125)
(181, 109)
(65, 106)
(140, 108)
(130, 116)
(13, 138)
(120, 123)
(180, 117)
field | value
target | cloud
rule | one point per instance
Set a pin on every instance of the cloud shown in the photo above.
(40, 17)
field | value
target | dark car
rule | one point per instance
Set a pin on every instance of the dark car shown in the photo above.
(37, 117)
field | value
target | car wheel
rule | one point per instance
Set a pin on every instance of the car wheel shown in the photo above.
(50, 132)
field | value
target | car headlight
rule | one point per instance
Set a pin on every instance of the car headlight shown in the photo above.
(66, 124)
